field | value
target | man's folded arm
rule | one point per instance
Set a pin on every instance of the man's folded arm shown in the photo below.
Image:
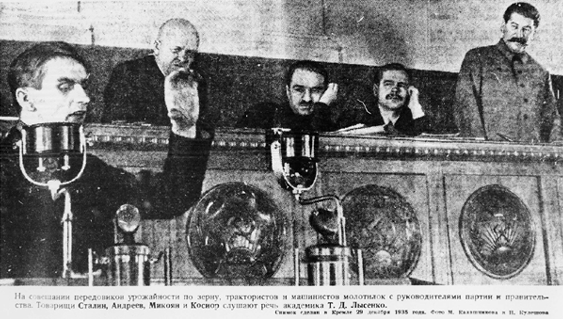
(179, 186)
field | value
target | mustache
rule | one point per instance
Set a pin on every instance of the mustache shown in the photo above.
(393, 96)
(309, 104)
(78, 115)
(177, 62)
(518, 40)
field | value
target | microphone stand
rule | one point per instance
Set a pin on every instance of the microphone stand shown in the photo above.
(338, 252)
(66, 220)
(54, 187)
(339, 212)
(328, 264)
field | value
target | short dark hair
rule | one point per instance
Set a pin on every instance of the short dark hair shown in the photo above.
(389, 67)
(525, 9)
(28, 68)
(309, 66)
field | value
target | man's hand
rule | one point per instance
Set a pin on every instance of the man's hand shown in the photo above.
(330, 94)
(182, 102)
(414, 105)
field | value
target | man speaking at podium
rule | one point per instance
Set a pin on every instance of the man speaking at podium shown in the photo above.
(48, 83)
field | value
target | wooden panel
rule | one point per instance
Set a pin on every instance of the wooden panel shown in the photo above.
(458, 189)
(413, 187)
(552, 195)
(435, 176)
(265, 182)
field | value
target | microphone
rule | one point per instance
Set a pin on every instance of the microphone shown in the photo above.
(128, 219)
(48, 152)
(295, 165)
(46, 158)
(128, 262)
(294, 159)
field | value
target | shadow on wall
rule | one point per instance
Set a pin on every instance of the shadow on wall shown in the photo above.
(360, 27)
(352, 31)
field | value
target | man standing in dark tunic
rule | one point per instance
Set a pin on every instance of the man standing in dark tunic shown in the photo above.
(502, 92)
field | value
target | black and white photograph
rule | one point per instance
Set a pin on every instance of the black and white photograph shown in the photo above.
(281, 158)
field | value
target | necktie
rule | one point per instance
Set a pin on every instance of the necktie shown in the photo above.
(390, 129)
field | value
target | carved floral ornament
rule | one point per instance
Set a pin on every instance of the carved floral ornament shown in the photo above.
(497, 232)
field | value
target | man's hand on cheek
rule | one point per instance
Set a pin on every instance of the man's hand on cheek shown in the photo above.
(182, 102)
(414, 104)
(330, 95)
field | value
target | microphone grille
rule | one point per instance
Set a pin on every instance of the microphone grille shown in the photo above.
(128, 218)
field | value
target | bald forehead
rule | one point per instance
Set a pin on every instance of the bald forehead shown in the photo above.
(178, 28)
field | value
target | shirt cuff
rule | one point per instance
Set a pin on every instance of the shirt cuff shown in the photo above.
(417, 111)
(188, 133)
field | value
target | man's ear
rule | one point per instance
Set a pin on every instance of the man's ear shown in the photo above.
(503, 26)
(533, 35)
(24, 100)
(156, 48)
(375, 89)
(287, 92)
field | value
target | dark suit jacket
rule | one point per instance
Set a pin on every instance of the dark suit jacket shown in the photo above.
(135, 93)
(268, 115)
(405, 124)
(360, 106)
(30, 225)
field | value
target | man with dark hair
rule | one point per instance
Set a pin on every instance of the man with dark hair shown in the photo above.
(48, 82)
(309, 95)
(30, 68)
(33, 92)
(306, 65)
(502, 92)
(136, 90)
(395, 109)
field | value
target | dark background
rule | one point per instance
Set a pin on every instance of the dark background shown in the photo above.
(235, 83)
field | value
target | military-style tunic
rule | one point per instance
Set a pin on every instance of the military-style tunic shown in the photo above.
(501, 95)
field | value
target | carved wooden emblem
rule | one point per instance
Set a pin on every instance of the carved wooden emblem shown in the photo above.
(384, 225)
(497, 232)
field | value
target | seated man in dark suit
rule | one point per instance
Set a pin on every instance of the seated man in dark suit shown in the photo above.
(310, 97)
(48, 83)
(395, 109)
(136, 91)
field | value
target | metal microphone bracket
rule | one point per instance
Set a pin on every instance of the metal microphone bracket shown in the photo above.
(295, 165)
(54, 140)
(128, 263)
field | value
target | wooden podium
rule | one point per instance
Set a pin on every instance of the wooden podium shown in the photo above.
(487, 212)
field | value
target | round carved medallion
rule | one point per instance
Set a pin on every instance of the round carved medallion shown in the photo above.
(497, 232)
(384, 225)
(236, 230)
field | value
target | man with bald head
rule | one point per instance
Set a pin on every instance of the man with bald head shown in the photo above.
(140, 90)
